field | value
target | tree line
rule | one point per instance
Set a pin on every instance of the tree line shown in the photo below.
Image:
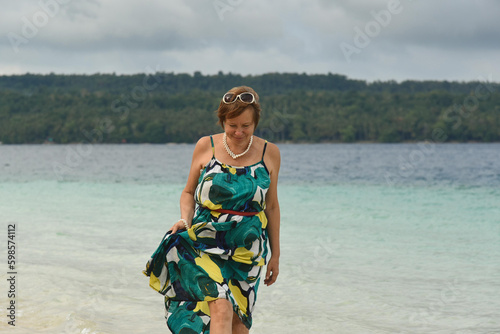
(160, 107)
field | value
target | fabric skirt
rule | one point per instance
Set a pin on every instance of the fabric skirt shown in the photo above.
(212, 260)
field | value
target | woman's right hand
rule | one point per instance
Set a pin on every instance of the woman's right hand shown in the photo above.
(178, 226)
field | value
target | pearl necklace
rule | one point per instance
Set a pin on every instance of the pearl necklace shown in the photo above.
(234, 156)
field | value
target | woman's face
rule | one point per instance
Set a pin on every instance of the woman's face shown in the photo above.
(239, 129)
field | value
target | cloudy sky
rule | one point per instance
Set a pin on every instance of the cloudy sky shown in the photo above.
(365, 39)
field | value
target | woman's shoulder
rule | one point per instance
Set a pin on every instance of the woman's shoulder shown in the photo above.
(204, 141)
(272, 156)
(271, 148)
(203, 146)
(216, 137)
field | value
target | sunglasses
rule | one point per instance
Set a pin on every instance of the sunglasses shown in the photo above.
(244, 97)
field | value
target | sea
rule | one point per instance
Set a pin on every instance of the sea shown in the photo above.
(375, 238)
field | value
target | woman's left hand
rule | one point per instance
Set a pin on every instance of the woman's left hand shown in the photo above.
(272, 271)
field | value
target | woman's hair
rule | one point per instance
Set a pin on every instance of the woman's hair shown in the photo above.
(232, 110)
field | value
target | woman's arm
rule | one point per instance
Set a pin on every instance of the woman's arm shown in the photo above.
(272, 212)
(187, 203)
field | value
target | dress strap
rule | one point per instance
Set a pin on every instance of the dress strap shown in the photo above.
(264, 151)
(213, 148)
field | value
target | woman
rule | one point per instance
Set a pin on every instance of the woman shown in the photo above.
(209, 264)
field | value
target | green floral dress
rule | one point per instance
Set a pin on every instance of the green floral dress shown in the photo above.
(221, 255)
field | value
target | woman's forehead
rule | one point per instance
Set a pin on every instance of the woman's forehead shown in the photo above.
(246, 116)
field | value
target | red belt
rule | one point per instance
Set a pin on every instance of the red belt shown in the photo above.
(233, 212)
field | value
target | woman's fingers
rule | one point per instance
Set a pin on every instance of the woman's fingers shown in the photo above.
(176, 227)
(271, 275)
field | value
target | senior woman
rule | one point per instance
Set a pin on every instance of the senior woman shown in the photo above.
(210, 262)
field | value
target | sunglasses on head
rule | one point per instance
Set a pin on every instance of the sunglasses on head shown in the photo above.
(244, 97)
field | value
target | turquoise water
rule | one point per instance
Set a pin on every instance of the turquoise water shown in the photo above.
(375, 238)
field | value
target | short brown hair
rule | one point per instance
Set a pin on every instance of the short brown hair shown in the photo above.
(232, 110)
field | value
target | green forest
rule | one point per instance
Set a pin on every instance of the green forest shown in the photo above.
(161, 107)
